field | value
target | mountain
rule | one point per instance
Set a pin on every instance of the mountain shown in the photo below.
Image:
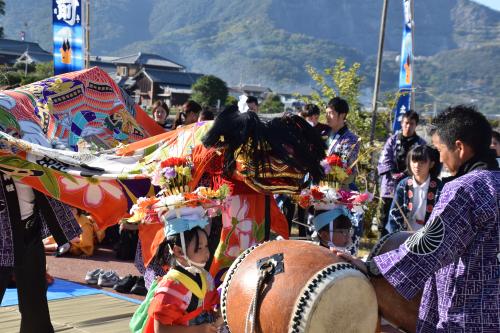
(270, 41)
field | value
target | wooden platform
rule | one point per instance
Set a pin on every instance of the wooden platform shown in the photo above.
(99, 313)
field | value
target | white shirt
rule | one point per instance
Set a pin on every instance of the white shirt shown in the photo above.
(419, 201)
(26, 198)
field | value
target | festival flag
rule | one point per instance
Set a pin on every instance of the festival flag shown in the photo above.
(68, 35)
(406, 66)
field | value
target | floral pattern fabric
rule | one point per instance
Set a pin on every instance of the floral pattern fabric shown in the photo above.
(243, 226)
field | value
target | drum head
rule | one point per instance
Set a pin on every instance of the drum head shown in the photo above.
(349, 305)
(342, 301)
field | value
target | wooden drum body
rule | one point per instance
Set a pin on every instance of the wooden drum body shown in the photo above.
(313, 291)
(392, 306)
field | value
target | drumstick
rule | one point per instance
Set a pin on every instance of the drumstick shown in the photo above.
(404, 216)
(300, 223)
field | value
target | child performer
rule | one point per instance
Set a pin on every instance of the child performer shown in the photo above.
(416, 195)
(185, 297)
(334, 228)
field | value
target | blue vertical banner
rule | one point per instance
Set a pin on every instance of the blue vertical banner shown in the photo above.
(406, 66)
(68, 35)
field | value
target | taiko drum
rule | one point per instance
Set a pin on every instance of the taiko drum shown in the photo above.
(305, 288)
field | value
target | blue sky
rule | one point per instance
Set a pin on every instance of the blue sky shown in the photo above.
(495, 4)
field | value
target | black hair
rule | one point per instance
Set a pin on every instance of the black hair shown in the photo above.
(192, 106)
(163, 255)
(340, 222)
(290, 139)
(207, 115)
(310, 110)
(411, 115)
(252, 99)
(464, 123)
(180, 119)
(339, 105)
(495, 135)
(80, 211)
(424, 153)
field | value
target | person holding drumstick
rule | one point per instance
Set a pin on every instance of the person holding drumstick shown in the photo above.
(455, 257)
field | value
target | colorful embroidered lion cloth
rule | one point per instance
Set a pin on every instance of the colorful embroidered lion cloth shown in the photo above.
(66, 123)
(78, 107)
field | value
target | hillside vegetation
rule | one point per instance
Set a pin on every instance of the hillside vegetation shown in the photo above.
(271, 41)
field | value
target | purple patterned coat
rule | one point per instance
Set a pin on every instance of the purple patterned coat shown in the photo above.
(387, 165)
(455, 259)
(151, 272)
(62, 212)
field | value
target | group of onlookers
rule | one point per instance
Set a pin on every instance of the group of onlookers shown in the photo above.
(190, 112)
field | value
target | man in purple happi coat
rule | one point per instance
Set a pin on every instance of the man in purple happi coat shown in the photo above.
(455, 258)
(392, 162)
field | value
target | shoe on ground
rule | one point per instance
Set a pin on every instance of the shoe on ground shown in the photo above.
(139, 288)
(108, 279)
(125, 284)
(92, 277)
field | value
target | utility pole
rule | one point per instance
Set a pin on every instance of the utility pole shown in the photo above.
(26, 61)
(87, 34)
(27, 49)
(378, 69)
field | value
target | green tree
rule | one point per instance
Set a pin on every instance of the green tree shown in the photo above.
(345, 82)
(21, 66)
(45, 70)
(9, 78)
(209, 89)
(230, 100)
(2, 12)
(271, 104)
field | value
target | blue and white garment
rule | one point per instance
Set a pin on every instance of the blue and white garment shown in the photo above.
(345, 144)
(403, 204)
(387, 163)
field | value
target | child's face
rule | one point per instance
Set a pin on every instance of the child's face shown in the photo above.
(202, 254)
(160, 115)
(495, 145)
(420, 169)
(341, 237)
